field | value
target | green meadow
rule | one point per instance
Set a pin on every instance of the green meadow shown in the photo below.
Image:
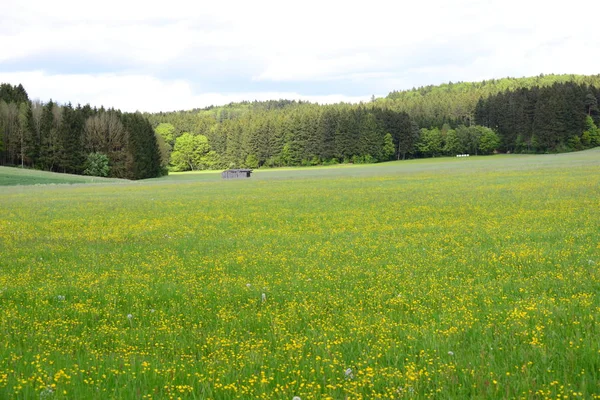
(437, 278)
(17, 176)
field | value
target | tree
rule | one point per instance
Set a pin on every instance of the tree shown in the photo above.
(591, 104)
(104, 133)
(49, 141)
(71, 157)
(409, 136)
(9, 130)
(96, 165)
(453, 144)
(142, 147)
(430, 143)
(591, 136)
(165, 151)
(167, 132)
(488, 140)
(191, 152)
(251, 161)
(388, 147)
(25, 130)
(371, 139)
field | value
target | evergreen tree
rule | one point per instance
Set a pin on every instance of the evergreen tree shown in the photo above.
(71, 157)
(145, 155)
(49, 144)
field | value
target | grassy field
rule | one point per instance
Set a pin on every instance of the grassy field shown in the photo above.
(18, 176)
(444, 278)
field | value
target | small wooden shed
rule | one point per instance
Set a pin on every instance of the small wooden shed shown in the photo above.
(236, 173)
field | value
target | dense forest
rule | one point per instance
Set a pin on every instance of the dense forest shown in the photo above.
(454, 103)
(561, 117)
(76, 140)
(550, 113)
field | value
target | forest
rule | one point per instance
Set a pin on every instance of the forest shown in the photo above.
(76, 140)
(543, 114)
(548, 113)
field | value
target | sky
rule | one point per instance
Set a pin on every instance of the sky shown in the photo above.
(175, 55)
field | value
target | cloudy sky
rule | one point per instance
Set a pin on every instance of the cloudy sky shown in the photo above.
(172, 55)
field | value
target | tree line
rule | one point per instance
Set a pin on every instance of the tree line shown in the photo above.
(76, 140)
(556, 118)
(549, 113)
(557, 113)
(454, 102)
(305, 134)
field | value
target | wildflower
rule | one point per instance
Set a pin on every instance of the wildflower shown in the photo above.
(60, 297)
(349, 374)
(152, 310)
(296, 398)
(248, 285)
(129, 316)
(264, 297)
(450, 353)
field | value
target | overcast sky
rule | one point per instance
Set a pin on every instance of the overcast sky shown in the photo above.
(172, 55)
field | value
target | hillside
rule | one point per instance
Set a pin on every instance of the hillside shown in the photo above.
(543, 114)
(17, 176)
(435, 105)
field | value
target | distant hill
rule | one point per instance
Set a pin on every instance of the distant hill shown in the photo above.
(547, 113)
(455, 103)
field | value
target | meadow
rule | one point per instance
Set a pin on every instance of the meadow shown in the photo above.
(441, 278)
(17, 176)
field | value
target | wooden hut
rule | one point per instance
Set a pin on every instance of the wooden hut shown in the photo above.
(236, 173)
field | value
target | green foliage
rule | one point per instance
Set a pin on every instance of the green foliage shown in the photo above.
(388, 147)
(453, 145)
(13, 94)
(192, 152)
(541, 114)
(167, 132)
(142, 146)
(489, 140)
(591, 136)
(56, 137)
(165, 151)
(432, 106)
(430, 143)
(97, 164)
(251, 161)
(540, 119)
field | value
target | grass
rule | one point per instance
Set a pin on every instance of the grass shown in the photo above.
(445, 278)
(18, 176)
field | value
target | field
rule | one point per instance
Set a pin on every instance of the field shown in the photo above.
(18, 176)
(447, 278)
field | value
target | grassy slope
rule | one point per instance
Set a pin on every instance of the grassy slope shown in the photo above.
(447, 278)
(443, 165)
(17, 176)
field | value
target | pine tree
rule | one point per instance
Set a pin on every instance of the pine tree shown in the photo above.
(142, 146)
(72, 157)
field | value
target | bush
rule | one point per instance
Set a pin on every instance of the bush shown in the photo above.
(96, 165)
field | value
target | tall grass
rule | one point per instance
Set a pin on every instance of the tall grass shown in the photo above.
(448, 278)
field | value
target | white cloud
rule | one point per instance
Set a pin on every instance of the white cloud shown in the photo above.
(142, 92)
(180, 48)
